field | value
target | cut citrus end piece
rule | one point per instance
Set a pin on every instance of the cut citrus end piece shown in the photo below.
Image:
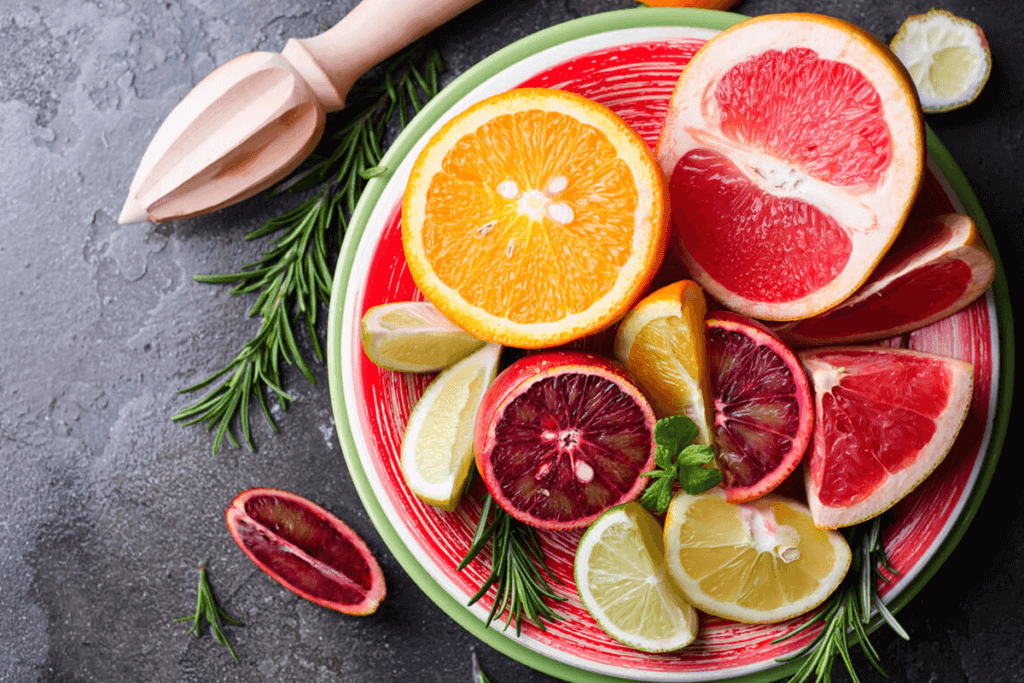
(622, 581)
(307, 550)
(884, 419)
(756, 562)
(944, 269)
(662, 342)
(794, 146)
(561, 437)
(413, 336)
(437, 447)
(947, 56)
(534, 218)
(763, 409)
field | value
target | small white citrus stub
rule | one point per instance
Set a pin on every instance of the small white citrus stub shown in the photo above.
(947, 56)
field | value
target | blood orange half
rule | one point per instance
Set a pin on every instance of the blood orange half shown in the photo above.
(935, 275)
(307, 550)
(794, 147)
(561, 437)
(763, 412)
(884, 419)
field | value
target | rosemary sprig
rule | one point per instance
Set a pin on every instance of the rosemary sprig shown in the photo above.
(207, 609)
(293, 277)
(849, 611)
(518, 569)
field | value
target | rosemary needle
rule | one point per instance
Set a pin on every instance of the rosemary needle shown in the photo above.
(848, 612)
(518, 570)
(207, 609)
(293, 277)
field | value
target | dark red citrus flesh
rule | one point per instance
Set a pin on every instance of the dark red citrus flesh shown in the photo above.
(568, 447)
(762, 409)
(915, 296)
(307, 549)
(823, 118)
(877, 418)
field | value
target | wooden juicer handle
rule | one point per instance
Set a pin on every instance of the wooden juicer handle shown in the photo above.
(255, 119)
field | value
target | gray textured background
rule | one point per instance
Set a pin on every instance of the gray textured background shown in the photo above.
(107, 507)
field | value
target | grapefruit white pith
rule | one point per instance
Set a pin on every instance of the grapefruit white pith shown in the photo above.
(794, 148)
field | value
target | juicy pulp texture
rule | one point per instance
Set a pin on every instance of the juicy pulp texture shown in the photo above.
(303, 549)
(884, 419)
(562, 436)
(794, 147)
(762, 407)
(756, 562)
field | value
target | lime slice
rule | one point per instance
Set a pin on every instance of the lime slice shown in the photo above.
(947, 56)
(413, 336)
(758, 562)
(621, 579)
(437, 448)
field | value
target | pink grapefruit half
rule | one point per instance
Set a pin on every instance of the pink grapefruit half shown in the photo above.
(794, 146)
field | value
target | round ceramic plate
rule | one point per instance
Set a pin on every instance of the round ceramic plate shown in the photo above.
(628, 60)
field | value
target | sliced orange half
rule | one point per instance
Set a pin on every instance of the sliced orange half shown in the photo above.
(534, 217)
(794, 144)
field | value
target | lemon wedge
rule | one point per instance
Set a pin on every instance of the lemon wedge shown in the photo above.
(413, 336)
(662, 342)
(947, 56)
(757, 562)
(437, 448)
(620, 575)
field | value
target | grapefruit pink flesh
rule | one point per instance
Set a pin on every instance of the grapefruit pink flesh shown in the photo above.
(884, 419)
(563, 436)
(794, 147)
(307, 550)
(763, 413)
(946, 268)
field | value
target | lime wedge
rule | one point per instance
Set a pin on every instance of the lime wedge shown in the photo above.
(622, 581)
(413, 336)
(437, 448)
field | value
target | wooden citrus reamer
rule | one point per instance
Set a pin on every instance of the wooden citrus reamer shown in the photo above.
(255, 119)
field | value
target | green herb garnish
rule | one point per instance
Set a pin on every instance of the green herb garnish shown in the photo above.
(517, 561)
(849, 611)
(207, 609)
(293, 277)
(678, 459)
(478, 674)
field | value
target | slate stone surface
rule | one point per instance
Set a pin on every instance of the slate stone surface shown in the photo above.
(107, 507)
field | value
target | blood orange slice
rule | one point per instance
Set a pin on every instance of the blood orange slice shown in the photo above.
(794, 147)
(561, 437)
(763, 411)
(884, 419)
(307, 550)
(937, 274)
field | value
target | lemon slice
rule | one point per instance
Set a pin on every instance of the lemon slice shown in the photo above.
(437, 448)
(621, 579)
(662, 342)
(413, 336)
(757, 562)
(947, 56)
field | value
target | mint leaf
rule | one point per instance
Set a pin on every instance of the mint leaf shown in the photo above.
(657, 496)
(696, 455)
(696, 480)
(663, 457)
(674, 433)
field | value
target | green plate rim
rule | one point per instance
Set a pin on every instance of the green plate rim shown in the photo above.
(640, 17)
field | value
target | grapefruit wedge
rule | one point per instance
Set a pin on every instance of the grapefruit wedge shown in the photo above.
(794, 148)
(946, 268)
(884, 419)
